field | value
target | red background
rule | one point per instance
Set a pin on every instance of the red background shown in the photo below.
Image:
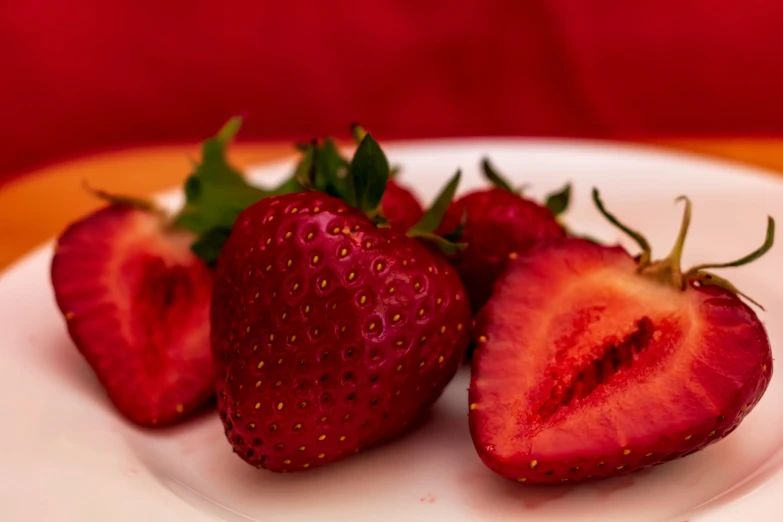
(93, 74)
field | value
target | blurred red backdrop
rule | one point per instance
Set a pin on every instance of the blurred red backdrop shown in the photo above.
(93, 74)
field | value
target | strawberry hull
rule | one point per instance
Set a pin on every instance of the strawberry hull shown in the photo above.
(586, 370)
(136, 302)
(330, 334)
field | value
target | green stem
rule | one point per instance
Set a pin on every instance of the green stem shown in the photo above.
(669, 269)
(646, 255)
(494, 177)
(769, 240)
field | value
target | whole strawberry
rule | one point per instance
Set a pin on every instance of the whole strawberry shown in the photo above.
(330, 333)
(495, 222)
(592, 363)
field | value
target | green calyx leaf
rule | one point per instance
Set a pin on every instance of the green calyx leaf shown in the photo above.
(358, 132)
(668, 270)
(495, 178)
(229, 130)
(444, 245)
(335, 170)
(324, 169)
(217, 192)
(368, 176)
(769, 240)
(700, 276)
(359, 182)
(706, 278)
(640, 240)
(118, 199)
(362, 182)
(304, 172)
(456, 234)
(558, 202)
(431, 219)
(208, 245)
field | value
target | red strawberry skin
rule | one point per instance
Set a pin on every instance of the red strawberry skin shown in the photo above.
(586, 370)
(136, 302)
(498, 223)
(400, 207)
(329, 334)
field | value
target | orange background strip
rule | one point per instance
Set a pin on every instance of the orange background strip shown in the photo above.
(37, 206)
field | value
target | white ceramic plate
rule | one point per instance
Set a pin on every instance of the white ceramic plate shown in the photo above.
(67, 456)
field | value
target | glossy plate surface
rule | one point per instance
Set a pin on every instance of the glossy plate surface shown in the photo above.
(67, 456)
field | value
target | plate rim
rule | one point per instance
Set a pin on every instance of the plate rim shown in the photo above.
(644, 152)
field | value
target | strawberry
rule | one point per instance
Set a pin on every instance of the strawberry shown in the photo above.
(400, 207)
(592, 363)
(136, 298)
(330, 333)
(495, 222)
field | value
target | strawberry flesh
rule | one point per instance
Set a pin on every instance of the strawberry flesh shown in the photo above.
(498, 223)
(584, 369)
(330, 334)
(136, 301)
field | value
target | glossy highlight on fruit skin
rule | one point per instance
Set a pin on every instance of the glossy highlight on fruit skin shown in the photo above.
(330, 334)
(498, 223)
(136, 302)
(586, 370)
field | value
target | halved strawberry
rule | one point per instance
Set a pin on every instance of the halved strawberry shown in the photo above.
(493, 223)
(135, 296)
(591, 363)
(136, 301)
